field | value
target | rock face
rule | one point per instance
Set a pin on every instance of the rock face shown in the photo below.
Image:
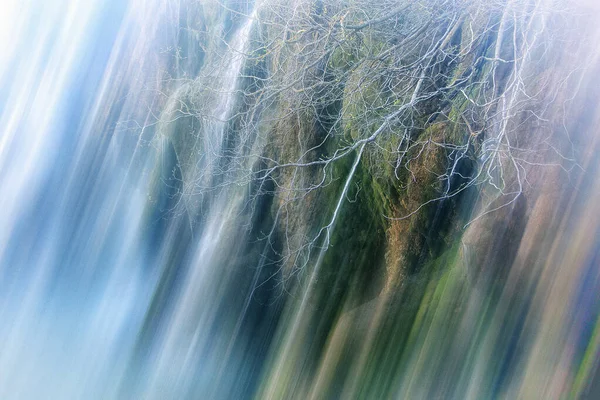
(373, 199)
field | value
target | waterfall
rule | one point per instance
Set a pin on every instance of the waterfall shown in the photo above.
(230, 199)
(91, 231)
(72, 200)
(186, 351)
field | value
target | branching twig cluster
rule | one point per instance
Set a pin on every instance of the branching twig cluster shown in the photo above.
(317, 82)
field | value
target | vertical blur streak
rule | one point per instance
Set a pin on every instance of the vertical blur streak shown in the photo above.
(101, 296)
(72, 194)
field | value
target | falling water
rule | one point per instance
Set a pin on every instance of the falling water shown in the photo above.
(136, 258)
(194, 310)
(72, 205)
(75, 184)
